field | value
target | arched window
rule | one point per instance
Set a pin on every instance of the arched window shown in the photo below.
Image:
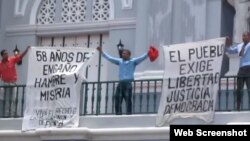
(73, 11)
(46, 12)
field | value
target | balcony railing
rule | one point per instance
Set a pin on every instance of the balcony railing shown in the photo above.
(98, 98)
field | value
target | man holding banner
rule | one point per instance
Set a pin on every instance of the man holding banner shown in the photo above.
(126, 75)
(7, 66)
(8, 75)
(244, 69)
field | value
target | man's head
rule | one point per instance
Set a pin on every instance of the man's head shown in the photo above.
(126, 54)
(4, 54)
(246, 37)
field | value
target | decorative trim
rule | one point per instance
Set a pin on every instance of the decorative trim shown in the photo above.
(65, 28)
(73, 11)
(100, 10)
(112, 10)
(20, 6)
(34, 10)
(127, 4)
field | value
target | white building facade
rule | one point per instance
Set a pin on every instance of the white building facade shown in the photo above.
(137, 24)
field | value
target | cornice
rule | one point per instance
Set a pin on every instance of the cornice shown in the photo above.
(71, 28)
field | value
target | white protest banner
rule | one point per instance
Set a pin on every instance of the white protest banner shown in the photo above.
(191, 80)
(53, 86)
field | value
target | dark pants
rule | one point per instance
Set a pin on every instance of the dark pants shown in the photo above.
(9, 105)
(123, 91)
(243, 77)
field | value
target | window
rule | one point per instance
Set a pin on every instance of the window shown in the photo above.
(100, 10)
(72, 11)
(46, 12)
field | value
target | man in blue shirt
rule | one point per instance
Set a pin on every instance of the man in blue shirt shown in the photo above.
(243, 49)
(127, 67)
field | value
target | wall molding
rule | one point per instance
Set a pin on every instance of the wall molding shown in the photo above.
(20, 7)
(33, 12)
(76, 28)
(127, 4)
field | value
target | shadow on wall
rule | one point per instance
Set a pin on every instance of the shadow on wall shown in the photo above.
(227, 25)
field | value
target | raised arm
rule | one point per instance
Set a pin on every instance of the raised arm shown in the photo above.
(25, 52)
(141, 58)
(229, 47)
(108, 57)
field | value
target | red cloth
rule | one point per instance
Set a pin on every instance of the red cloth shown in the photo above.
(8, 70)
(153, 53)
